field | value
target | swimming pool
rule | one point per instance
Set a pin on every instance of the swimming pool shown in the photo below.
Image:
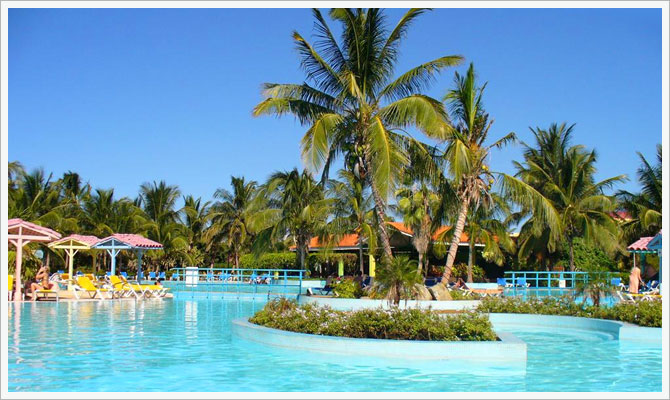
(186, 345)
(529, 293)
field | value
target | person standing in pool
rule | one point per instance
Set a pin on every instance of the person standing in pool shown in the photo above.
(634, 280)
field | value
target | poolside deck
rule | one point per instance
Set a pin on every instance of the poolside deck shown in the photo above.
(66, 295)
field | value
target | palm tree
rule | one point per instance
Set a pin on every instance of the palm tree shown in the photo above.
(595, 287)
(418, 204)
(488, 225)
(73, 189)
(195, 217)
(397, 279)
(645, 208)
(159, 201)
(353, 106)
(232, 216)
(14, 173)
(352, 211)
(299, 209)
(564, 174)
(424, 197)
(467, 156)
(35, 197)
(98, 211)
(102, 215)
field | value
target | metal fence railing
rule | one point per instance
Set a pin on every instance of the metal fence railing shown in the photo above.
(551, 279)
(240, 281)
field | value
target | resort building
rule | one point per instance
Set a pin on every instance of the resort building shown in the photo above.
(401, 243)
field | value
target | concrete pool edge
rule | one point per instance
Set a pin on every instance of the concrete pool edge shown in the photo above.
(621, 331)
(509, 349)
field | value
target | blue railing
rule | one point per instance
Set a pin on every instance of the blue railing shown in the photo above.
(549, 279)
(237, 281)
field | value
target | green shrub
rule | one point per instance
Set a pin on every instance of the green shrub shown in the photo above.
(462, 295)
(587, 258)
(329, 263)
(285, 260)
(410, 324)
(461, 271)
(348, 289)
(643, 313)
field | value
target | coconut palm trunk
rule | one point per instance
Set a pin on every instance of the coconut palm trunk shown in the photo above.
(572, 255)
(360, 254)
(380, 207)
(455, 240)
(303, 253)
(471, 259)
(420, 241)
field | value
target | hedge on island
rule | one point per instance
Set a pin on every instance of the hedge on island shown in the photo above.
(318, 264)
(399, 324)
(642, 313)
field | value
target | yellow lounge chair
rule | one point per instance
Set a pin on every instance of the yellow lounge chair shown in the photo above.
(85, 285)
(124, 288)
(46, 293)
(11, 286)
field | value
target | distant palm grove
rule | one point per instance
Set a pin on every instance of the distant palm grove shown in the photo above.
(376, 149)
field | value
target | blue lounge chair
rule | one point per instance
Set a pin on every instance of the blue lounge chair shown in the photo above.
(521, 282)
(124, 274)
(650, 286)
(367, 282)
(210, 276)
(617, 282)
(175, 276)
(162, 275)
(324, 291)
(503, 282)
(432, 281)
(152, 275)
(109, 273)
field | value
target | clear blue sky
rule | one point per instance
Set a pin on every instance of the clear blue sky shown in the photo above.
(125, 96)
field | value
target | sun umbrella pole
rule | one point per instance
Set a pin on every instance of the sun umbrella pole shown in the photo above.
(139, 263)
(70, 268)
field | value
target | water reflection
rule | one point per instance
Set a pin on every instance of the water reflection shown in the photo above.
(190, 320)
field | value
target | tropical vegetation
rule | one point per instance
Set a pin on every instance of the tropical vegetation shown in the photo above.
(643, 313)
(396, 324)
(358, 111)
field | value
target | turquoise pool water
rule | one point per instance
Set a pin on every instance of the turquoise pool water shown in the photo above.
(186, 345)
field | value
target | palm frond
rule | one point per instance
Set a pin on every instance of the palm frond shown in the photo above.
(418, 78)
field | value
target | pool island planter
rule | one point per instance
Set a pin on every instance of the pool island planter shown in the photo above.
(509, 351)
(364, 303)
(618, 330)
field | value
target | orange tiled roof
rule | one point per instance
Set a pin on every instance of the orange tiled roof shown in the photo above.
(349, 240)
(407, 230)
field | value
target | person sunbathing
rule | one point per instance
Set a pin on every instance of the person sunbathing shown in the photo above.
(460, 284)
(42, 282)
